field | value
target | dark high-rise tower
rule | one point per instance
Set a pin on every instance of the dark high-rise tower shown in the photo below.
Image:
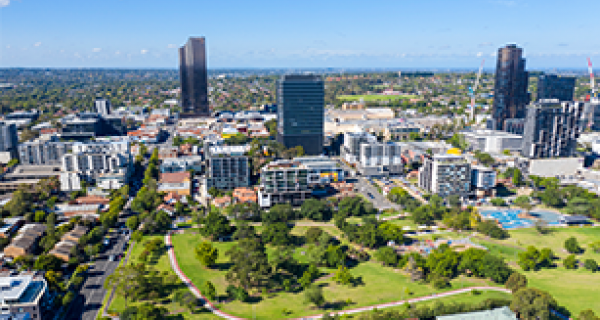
(300, 112)
(551, 86)
(510, 89)
(194, 83)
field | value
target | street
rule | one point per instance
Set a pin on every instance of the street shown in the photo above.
(92, 293)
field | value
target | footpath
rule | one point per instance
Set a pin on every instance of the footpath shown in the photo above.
(208, 305)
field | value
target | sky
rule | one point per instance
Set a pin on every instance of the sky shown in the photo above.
(421, 34)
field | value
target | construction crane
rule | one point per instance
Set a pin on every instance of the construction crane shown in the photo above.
(473, 89)
(592, 94)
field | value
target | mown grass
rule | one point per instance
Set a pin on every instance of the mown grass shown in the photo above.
(381, 284)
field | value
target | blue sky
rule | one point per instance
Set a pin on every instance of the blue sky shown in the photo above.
(288, 33)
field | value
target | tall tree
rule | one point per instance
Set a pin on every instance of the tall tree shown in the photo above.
(250, 264)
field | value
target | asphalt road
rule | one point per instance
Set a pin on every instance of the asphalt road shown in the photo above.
(92, 293)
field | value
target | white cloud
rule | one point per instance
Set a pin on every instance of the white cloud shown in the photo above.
(4, 3)
(37, 44)
(479, 54)
(117, 53)
(144, 51)
(7, 47)
(96, 49)
(171, 46)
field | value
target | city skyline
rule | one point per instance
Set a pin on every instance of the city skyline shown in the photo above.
(266, 34)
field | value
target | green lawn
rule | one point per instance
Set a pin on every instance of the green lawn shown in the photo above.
(161, 264)
(574, 289)
(374, 97)
(381, 284)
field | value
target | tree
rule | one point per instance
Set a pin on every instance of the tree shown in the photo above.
(343, 276)
(454, 201)
(216, 225)
(387, 256)
(595, 246)
(490, 228)
(587, 314)
(209, 290)
(498, 202)
(277, 234)
(47, 263)
(314, 209)
(516, 281)
(279, 213)
(244, 230)
(314, 295)
(517, 178)
(122, 280)
(590, 264)
(533, 304)
(250, 267)
(207, 254)
(133, 222)
(523, 202)
(570, 262)
(312, 234)
(66, 300)
(484, 158)
(572, 245)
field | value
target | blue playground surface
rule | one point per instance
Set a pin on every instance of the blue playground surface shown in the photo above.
(509, 218)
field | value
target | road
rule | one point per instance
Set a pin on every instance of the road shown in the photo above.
(380, 202)
(92, 293)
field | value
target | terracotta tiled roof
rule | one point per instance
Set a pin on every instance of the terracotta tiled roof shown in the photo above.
(174, 177)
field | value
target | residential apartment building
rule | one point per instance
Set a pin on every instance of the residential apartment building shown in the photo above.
(446, 175)
(227, 167)
(510, 87)
(321, 169)
(300, 112)
(483, 180)
(552, 129)
(9, 141)
(108, 161)
(102, 107)
(283, 181)
(371, 157)
(43, 151)
(24, 296)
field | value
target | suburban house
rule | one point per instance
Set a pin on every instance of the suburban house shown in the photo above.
(177, 182)
(244, 195)
(26, 241)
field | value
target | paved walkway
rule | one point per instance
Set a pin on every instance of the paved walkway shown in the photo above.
(213, 309)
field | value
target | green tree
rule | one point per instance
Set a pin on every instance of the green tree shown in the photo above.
(250, 267)
(517, 178)
(68, 298)
(516, 281)
(570, 262)
(315, 209)
(314, 295)
(498, 202)
(207, 254)
(387, 256)
(532, 304)
(216, 225)
(590, 264)
(209, 290)
(343, 276)
(312, 234)
(587, 314)
(572, 245)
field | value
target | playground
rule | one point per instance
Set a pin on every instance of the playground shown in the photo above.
(515, 218)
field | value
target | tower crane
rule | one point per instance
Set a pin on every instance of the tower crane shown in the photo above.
(592, 94)
(474, 89)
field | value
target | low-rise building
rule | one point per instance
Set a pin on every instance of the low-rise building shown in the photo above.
(446, 175)
(73, 210)
(181, 164)
(492, 141)
(222, 202)
(244, 195)
(283, 182)
(24, 296)
(26, 241)
(64, 249)
(92, 199)
(177, 182)
(10, 226)
(322, 169)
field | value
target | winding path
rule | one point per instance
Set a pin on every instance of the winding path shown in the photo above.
(213, 309)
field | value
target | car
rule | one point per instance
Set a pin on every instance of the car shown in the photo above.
(111, 257)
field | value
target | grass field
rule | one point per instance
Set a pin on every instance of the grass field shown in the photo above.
(374, 97)
(573, 289)
(161, 264)
(381, 284)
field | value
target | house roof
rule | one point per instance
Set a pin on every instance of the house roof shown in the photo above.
(174, 177)
(92, 200)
